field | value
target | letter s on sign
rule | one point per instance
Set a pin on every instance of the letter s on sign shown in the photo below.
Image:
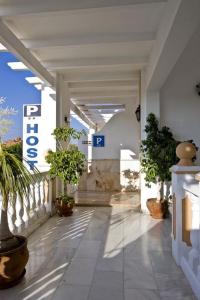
(32, 152)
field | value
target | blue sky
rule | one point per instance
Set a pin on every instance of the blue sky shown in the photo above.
(17, 92)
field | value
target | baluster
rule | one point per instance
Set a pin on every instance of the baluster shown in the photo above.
(194, 237)
(50, 183)
(38, 198)
(13, 214)
(43, 196)
(20, 213)
(27, 204)
(33, 203)
(45, 193)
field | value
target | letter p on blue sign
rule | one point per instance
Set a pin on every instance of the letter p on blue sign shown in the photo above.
(98, 141)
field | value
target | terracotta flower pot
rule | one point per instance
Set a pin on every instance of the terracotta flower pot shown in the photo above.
(158, 210)
(12, 264)
(63, 209)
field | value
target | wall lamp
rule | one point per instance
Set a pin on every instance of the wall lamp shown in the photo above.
(198, 88)
(138, 113)
(66, 120)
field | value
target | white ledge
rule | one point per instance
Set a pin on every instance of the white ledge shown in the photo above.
(185, 169)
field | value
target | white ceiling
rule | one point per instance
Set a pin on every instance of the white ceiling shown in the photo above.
(100, 47)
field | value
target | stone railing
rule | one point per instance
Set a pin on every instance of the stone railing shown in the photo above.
(26, 215)
(186, 223)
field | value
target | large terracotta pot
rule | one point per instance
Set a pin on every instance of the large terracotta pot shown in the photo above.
(12, 264)
(158, 210)
(63, 209)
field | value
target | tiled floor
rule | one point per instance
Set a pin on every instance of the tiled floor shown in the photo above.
(108, 199)
(104, 253)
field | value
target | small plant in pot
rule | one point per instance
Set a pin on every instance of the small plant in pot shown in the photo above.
(158, 154)
(67, 163)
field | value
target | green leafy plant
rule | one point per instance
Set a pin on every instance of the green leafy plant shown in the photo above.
(15, 179)
(15, 147)
(158, 154)
(67, 162)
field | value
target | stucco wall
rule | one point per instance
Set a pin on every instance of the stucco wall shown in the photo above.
(121, 132)
(180, 103)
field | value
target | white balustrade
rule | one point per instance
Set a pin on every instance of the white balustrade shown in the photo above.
(186, 223)
(25, 215)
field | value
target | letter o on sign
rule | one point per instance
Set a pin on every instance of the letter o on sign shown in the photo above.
(32, 140)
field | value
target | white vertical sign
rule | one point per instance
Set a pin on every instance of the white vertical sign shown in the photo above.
(31, 139)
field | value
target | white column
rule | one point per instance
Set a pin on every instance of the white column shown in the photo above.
(48, 115)
(150, 103)
(62, 102)
(62, 112)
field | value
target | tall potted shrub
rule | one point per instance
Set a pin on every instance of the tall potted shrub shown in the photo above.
(158, 154)
(67, 163)
(14, 179)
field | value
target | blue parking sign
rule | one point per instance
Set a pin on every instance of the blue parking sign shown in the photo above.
(98, 141)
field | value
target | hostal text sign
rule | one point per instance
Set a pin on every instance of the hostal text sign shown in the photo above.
(31, 129)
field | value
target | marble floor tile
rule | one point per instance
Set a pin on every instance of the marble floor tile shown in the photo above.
(163, 262)
(173, 285)
(80, 272)
(141, 294)
(71, 292)
(107, 263)
(108, 279)
(105, 293)
(88, 249)
(139, 275)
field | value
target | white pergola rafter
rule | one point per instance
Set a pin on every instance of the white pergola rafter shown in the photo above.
(102, 94)
(69, 41)
(101, 76)
(42, 7)
(95, 63)
(13, 44)
(103, 84)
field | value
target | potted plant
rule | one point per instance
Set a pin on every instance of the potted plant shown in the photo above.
(15, 179)
(67, 163)
(132, 177)
(158, 154)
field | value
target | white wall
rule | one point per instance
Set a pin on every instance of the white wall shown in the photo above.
(179, 101)
(121, 132)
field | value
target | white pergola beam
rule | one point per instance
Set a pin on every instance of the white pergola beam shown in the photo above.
(13, 44)
(102, 100)
(17, 66)
(95, 63)
(33, 80)
(102, 94)
(41, 7)
(103, 84)
(101, 76)
(102, 107)
(105, 89)
(3, 48)
(177, 27)
(79, 113)
(68, 41)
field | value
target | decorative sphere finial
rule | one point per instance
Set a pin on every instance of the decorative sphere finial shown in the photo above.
(185, 152)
